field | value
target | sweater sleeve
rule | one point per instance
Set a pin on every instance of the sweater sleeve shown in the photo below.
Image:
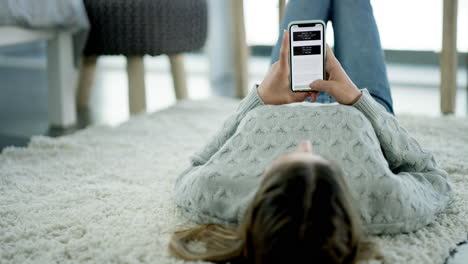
(199, 158)
(403, 152)
(187, 189)
(420, 180)
(420, 187)
(251, 101)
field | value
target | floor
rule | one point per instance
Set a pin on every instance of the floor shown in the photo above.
(23, 103)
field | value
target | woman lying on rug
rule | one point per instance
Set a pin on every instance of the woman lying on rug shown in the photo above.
(285, 180)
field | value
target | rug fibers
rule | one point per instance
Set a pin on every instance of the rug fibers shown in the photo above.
(103, 195)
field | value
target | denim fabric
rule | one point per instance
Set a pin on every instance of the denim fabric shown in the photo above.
(357, 42)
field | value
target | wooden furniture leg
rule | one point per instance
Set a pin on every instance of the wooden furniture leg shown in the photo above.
(136, 84)
(85, 81)
(240, 48)
(179, 76)
(62, 81)
(281, 9)
(448, 58)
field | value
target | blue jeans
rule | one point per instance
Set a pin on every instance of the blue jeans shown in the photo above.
(357, 42)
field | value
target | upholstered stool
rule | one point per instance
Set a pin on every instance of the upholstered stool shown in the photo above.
(142, 27)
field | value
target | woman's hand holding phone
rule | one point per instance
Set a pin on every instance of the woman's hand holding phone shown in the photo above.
(338, 85)
(275, 88)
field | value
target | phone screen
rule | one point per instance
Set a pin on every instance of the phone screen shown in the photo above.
(306, 42)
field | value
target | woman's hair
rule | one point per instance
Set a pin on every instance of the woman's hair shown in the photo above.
(301, 211)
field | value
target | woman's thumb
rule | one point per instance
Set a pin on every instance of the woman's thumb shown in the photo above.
(320, 85)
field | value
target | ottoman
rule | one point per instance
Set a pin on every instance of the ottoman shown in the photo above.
(135, 28)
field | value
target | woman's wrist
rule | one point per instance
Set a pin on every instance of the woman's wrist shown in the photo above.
(356, 97)
(261, 93)
(266, 95)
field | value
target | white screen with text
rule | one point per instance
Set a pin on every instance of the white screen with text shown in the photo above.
(306, 55)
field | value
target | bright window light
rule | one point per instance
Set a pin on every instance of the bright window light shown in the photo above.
(403, 24)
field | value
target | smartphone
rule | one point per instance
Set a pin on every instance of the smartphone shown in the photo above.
(306, 53)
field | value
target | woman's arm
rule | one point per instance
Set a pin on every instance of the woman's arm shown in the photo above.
(199, 158)
(416, 188)
(404, 154)
(251, 101)
(402, 151)
(275, 89)
(419, 188)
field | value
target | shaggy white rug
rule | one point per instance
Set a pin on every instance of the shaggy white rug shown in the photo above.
(103, 195)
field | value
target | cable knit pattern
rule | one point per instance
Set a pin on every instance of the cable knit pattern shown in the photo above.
(140, 27)
(396, 183)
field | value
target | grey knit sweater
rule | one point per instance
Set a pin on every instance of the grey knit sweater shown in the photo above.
(396, 183)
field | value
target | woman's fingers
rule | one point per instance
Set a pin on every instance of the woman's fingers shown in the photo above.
(330, 61)
(330, 54)
(284, 61)
(299, 97)
(321, 85)
(314, 96)
(329, 51)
